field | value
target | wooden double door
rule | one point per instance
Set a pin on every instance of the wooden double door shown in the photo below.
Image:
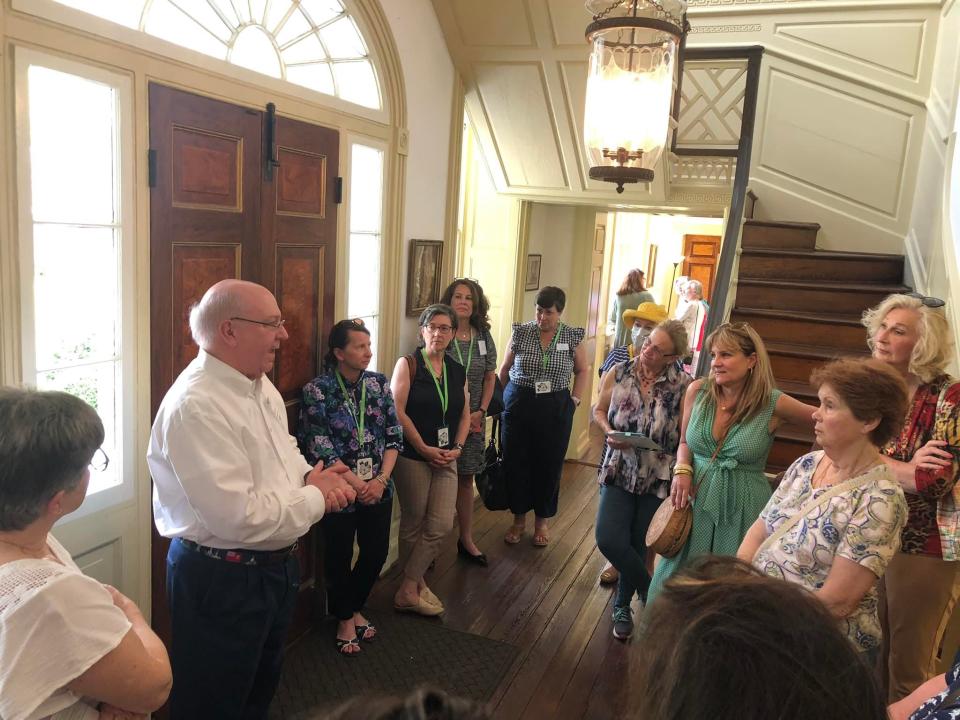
(240, 193)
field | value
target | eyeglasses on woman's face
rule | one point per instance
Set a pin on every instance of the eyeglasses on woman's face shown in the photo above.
(654, 351)
(99, 462)
(438, 329)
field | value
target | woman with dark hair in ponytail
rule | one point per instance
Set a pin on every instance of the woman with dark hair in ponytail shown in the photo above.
(348, 418)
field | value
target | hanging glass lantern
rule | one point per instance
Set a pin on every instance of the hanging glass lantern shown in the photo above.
(634, 69)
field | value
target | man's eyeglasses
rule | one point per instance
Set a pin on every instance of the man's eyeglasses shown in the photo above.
(100, 461)
(439, 329)
(275, 324)
(654, 350)
(930, 302)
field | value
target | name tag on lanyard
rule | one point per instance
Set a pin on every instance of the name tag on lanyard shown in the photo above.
(443, 432)
(443, 437)
(482, 346)
(542, 387)
(365, 468)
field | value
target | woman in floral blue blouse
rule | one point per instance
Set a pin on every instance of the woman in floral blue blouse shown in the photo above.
(348, 417)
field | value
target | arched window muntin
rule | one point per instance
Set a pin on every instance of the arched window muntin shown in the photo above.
(317, 45)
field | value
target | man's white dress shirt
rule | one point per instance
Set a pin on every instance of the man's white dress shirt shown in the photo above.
(226, 472)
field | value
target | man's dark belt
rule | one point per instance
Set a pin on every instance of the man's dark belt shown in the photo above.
(241, 557)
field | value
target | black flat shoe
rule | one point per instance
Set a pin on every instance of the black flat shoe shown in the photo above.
(480, 559)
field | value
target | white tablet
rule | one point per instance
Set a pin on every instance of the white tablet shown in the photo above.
(641, 442)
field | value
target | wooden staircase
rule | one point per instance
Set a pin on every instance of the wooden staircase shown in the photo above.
(806, 304)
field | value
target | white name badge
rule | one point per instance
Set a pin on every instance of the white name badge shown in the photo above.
(443, 437)
(482, 345)
(542, 386)
(365, 468)
(563, 346)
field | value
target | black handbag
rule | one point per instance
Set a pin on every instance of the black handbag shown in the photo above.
(496, 400)
(492, 480)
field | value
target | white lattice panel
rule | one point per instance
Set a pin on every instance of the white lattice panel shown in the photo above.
(711, 104)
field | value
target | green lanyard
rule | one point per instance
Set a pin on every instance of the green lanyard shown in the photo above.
(358, 417)
(545, 354)
(456, 345)
(444, 395)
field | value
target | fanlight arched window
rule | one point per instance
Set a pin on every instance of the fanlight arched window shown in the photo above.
(312, 43)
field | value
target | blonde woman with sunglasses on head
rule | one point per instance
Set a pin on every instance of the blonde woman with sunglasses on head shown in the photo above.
(910, 334)
(729, 420)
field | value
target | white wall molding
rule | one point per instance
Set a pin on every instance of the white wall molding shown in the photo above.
(916, 271)
(755, 7)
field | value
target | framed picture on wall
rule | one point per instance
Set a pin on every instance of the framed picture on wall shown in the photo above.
(532, 276)
(651, 266)
(423, 275)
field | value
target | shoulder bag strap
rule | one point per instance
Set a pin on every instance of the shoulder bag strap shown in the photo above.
(411, 368)
(805, 510)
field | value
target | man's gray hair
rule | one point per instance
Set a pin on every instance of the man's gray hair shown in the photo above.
(216, 305)
(46, 443)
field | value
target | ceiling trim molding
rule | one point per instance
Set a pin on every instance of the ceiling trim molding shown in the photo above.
(704, 8)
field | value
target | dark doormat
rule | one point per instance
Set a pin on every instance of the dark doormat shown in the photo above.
(406, 653)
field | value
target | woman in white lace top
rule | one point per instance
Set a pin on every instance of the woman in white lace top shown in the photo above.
(70, 647)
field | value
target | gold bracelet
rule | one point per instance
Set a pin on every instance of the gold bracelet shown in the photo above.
(683, 466)
(381, 478)
(682, 471)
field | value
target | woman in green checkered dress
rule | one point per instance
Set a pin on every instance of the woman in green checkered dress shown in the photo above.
(728, 426)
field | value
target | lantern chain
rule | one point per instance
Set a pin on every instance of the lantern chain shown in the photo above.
(617, 3)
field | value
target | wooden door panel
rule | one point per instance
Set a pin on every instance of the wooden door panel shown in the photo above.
(195, 268)
(207, 171)
(701, 253)
(301, 183)
(300, 295)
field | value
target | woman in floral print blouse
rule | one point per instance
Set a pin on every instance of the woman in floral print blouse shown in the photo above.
(348, 417)
(911, 334)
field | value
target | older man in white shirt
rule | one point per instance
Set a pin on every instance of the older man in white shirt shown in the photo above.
(234, 493)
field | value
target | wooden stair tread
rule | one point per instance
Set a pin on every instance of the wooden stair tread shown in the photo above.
(837, 285)
(812, 351)
(819, 254)
(783, 224)
(795, 388)
(819, 317)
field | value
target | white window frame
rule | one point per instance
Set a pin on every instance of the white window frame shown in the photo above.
(24, 58)
(116, 33)
(375, 144)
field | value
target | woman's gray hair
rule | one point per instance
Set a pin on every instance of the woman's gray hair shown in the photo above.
(677, 333)
(47, 442)
(216, 305)
(697, 287)
(431, 311)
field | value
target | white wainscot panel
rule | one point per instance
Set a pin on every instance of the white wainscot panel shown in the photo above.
(103, 563)
(894, 46)
(835, 142)
(515, 101)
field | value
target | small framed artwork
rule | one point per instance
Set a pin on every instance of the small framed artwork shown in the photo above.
(532, 276)
(423, 275)
(648, 280)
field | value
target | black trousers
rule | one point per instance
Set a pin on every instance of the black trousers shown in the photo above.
(536, 432)
(348, 587)
(229, 624)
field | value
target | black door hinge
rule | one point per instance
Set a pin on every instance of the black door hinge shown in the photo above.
(338, 190)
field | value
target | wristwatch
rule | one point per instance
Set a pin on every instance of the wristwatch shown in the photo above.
(576, 400)
(458, 446)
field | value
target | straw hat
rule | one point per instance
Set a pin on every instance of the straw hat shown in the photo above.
(646, 311)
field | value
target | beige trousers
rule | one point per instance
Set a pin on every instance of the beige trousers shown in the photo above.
(428, 504)
(921, 593)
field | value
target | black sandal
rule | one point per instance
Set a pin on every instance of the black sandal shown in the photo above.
(342, 645)
(362, 631)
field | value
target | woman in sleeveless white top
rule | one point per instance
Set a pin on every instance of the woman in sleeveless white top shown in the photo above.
(71, 648)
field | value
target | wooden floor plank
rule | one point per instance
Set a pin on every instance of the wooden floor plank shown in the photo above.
(547, 601)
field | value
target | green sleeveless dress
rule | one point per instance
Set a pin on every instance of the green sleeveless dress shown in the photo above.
(731, 488)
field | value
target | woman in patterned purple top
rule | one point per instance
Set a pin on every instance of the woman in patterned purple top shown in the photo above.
(348, 417)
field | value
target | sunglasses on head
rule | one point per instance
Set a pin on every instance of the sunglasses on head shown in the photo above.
(928, 301)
